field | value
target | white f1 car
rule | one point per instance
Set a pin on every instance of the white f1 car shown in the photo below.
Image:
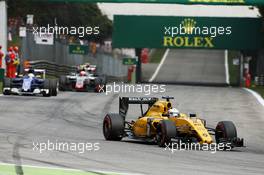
(85, 81)
(33, 82)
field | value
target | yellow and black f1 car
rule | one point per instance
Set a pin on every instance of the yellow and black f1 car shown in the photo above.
(162, 123)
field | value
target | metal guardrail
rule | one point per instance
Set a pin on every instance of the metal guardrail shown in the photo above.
(52, 69)
(259, 80)
(56, 70)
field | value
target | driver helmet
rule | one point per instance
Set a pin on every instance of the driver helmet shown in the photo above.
(16, 49)
(87, 65)
(31, 72)
(174, 112)
(82, 73)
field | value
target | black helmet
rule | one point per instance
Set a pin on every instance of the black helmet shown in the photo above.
(31, 71)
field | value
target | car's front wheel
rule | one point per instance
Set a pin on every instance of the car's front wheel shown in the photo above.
(113, 127)
(225, 131)
(53, 84)
(46, 86)
(166, 130)
(7, 84)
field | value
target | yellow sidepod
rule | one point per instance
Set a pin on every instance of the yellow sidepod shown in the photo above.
(192, 125)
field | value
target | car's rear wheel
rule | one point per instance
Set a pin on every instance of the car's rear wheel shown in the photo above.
(53, 84)
(225, 131)
(46, 86)
(7, 84)
(103, 79)
(166, 130)
(97, 83)
(113, 127)
(99, 88)
(62, 83)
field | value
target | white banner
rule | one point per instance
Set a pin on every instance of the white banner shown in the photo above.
(46, 39)
(22, 31)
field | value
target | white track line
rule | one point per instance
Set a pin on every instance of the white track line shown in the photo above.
(159, 66)
(69, 169)
(256, 95)
(226, 67)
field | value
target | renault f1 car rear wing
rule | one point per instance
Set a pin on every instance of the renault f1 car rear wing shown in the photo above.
(125, 101)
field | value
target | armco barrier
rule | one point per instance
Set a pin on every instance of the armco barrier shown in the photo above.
(56, 70)
(52, 69)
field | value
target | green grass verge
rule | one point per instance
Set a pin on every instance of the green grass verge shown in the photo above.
(11, 170)
(233, 69)
(258, 89)
(156, 55)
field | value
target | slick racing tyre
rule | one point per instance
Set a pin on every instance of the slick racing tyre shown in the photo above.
(53, 86)
(46, 85)
(62, 83)
(7, 84)
(103, 79)
(225, 131)
(165, 132)
(113, 127)
(100, 88)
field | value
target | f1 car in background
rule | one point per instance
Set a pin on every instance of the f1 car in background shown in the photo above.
(33, 82)
(85, 79)
(161, 123)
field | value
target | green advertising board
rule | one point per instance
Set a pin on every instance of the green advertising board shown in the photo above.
(78, 49)
(186, 32)
(208, 2)
(129, 61)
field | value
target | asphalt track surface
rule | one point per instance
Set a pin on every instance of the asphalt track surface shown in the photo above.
(77, 117)
(194, 67)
